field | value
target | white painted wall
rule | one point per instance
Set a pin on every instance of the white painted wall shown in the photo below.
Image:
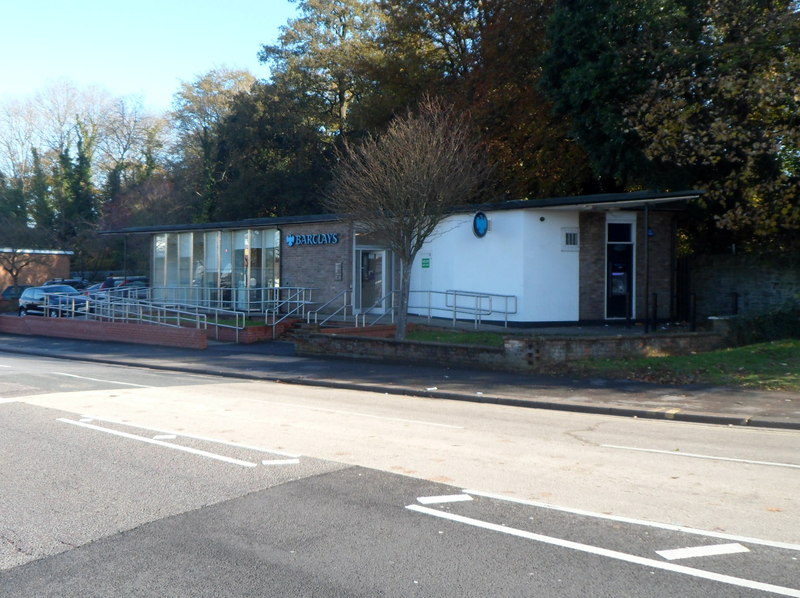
(519, 256)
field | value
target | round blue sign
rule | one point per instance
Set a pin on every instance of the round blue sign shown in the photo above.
(480, 224)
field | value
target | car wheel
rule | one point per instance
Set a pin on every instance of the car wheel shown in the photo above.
(23, 312)
(53, 313)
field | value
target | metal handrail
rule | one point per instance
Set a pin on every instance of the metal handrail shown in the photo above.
(379, 303)
(347, 302)
(294, 304)
(478, 305)
(109, 308)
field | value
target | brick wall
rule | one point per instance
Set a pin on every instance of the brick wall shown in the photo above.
(143, 334)
(761, 284)
(52, 266)
(525, 354)
(662, 264)
(593, 265)
(534, 353)
(325, 268)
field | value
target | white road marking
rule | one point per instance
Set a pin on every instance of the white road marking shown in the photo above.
(653, 524)
(700, 551)
(164, 437)
(612, 554)
(711, 457)
(435, 500)
(101, 380)
(358, 414)
(204, 438)
(7, 401)
(159, 443)
(280, 461)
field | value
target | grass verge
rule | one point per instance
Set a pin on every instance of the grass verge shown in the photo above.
(773, 365)
(765, 366)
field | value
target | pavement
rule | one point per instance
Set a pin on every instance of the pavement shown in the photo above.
(277, 362)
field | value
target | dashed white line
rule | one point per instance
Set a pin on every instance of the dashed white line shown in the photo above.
(204, 438)
(653, 524)
(695, 456)
(701, 551)
(159, 443)
(101, 380)
(612, 554)
(7, 401)
(280, 461)
(436, 500)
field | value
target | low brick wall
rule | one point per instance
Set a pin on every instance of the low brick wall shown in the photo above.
(143, 334)
(527, 354)
(523, 353)
(385, 349)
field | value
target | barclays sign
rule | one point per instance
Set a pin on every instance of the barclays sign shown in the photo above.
(316, 239)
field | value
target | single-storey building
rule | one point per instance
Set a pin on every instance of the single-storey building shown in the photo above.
(580, 259)
(33, 266)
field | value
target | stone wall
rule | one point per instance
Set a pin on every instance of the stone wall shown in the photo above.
(593, 265)
(759, 285)
(519, 354)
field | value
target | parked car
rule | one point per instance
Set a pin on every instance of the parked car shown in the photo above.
(134, 287)
(77, 283)
(52, 300)
(10, 296)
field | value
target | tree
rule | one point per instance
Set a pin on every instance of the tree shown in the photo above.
(276, 162)
(527, 143)
(729, 113)
(322, 56)
(399, 186)
(199, 108)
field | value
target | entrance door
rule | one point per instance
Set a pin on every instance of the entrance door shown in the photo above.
(619, 270)
(619, 280)
(371, 280)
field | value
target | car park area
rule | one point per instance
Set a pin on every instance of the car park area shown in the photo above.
(54, 300)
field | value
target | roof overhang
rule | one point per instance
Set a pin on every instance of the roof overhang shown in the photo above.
(638, 200)
(671, 200)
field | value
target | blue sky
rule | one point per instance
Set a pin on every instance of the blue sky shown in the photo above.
(143, 48)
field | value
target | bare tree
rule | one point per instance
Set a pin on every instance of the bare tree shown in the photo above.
(399, 186)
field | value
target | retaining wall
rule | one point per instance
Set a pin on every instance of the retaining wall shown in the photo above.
(744, 284)
(143, 334)
(527, 354)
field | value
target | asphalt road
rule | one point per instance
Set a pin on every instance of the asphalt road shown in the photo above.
(118, 481)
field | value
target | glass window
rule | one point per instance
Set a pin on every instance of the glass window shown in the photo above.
(198, 255)
(212, 259)
(619, 232)
(184, 259)
(172, 259)
(226, 258)
(241, 250)
(159, 260)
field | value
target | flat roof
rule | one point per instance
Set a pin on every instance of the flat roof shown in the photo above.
(667, 200)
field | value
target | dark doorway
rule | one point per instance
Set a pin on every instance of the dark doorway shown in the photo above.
(619, 281)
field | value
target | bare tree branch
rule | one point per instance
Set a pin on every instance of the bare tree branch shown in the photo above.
(399, 186)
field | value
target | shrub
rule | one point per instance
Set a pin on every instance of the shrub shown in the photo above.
(768, 326)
